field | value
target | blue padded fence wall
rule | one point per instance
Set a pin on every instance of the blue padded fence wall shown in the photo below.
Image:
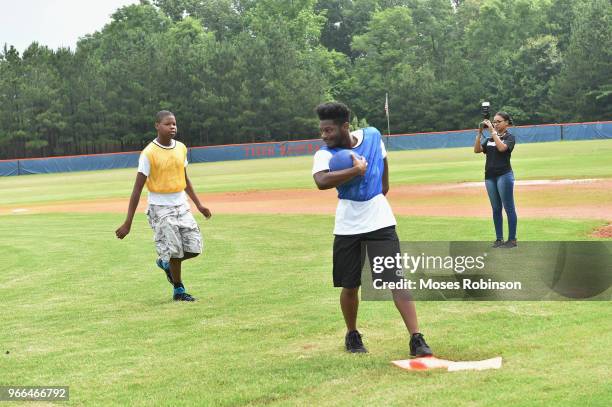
(69, 164)
(9, 168)
(463, 138)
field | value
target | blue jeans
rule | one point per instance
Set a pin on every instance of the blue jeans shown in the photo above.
(501, 193)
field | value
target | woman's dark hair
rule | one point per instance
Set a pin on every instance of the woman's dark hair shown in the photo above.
(336, 111)
(506, 116)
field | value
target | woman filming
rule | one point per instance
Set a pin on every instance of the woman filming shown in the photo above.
(499, 178)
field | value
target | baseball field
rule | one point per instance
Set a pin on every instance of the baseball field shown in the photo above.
(83, 309)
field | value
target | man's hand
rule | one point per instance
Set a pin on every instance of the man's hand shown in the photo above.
(205, 211)
(123, 230)
(360, 163)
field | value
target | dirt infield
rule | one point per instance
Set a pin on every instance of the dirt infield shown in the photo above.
(569, 199)
(604, 232)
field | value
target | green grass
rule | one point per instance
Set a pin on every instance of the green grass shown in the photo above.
(83, 309)
(580, 159)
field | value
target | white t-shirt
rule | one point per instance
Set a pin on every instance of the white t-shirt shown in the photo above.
(355, 217)
(155, 198)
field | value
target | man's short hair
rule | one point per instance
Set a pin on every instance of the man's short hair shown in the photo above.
(336, 111)
(162, 114)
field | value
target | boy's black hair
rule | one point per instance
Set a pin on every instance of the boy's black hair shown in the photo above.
(506, 117)
(336, 111)
(162, 114)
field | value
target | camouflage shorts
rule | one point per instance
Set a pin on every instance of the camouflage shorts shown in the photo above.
(175, 231)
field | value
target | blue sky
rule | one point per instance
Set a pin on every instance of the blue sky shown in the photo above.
(53, 23)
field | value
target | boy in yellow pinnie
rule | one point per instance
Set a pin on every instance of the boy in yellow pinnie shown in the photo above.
(162, 167)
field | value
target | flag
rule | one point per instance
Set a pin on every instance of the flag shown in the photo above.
(387, 104)
(387, 114)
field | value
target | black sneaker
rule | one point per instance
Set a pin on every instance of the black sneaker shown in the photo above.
(497, 243)
(509, 244)
(418, 346)
(353, 343)
(183, 297)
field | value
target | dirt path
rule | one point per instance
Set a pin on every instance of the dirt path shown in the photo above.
(603, 232)
(573, 199)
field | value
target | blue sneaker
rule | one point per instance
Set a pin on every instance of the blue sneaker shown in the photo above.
(166, 267)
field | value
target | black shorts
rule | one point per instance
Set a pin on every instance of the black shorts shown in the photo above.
(349, 256)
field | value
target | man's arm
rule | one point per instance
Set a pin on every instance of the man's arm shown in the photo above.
(327, 179)
(189, 189)
(385, 178)
(124, 229)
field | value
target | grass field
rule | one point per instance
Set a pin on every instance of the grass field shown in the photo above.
(584, 159)
(81, 308)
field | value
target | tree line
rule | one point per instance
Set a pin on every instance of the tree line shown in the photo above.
(239, 71)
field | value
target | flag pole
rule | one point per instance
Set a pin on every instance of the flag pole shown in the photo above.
(387, 114)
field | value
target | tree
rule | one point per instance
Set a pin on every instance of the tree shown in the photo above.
(532, 67)
(221, 17)
(253, 70)
(582, 90)
(12, 133)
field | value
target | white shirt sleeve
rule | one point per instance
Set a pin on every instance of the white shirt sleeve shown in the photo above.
(321, 161)
(383, 150)
(143, 165)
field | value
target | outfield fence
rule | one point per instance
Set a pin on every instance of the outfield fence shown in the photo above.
(394, 142)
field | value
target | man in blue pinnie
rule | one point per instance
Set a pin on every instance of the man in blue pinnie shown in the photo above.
(363, 215)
